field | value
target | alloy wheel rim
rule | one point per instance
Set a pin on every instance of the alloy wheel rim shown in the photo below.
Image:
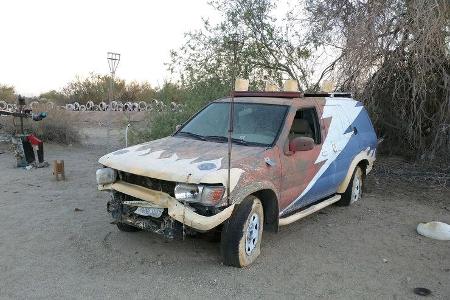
(356, 191)
(251, 239)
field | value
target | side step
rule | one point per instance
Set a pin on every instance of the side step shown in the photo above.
(309, 210)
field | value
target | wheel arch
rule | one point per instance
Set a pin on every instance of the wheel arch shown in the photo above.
(269, 200)
(265, 191)
(364, 161)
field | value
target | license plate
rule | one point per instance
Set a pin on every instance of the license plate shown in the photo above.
(149, 212)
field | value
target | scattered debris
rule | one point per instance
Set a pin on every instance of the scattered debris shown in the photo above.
(78, 209)
(213, 282)
(58, 169)
(399, 169)
(422, 291)
(435, 230)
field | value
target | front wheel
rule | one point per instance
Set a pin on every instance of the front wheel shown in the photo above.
(354, 190)
(242, 233)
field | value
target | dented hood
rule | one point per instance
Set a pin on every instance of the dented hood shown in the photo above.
(183, 160)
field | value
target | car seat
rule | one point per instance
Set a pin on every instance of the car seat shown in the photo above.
(300, 128)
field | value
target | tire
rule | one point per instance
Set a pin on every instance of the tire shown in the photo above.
(212, 236)
(353, 192)
(127, 228)
(242, 233)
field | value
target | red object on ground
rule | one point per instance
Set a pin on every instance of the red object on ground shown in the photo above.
(34, 140)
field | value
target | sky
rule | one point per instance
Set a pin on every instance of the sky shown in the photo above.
(45, 44)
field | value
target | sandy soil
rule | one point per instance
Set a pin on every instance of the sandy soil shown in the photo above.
(368, 251)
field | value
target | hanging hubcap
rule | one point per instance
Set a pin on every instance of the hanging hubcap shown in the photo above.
(251, 239)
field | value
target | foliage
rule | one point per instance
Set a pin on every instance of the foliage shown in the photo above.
(161, 124)
(93, 88)
(96, 88)
(7, 93)
(58, 127)
(135, 92)
(268, 48)
(54, 96)
(394, 54)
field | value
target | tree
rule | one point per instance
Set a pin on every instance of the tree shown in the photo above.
(7, 93)
(269, 48)
(394, 54)
(54, 96)
(93, 88)
(96, 88)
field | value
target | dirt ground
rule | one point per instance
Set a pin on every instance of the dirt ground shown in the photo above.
(371, 250)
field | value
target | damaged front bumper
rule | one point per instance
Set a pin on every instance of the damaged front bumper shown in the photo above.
(175, 209)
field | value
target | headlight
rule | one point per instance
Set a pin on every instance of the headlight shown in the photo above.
(209, 195)
(105, 175)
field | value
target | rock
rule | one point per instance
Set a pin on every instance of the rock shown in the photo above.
(435, 230)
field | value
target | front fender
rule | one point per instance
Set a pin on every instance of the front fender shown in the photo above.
(241, 192)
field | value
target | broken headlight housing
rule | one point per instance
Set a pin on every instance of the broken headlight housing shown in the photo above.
(208, 195)
(105, 176)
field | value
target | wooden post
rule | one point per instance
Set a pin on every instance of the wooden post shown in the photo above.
(58, 169)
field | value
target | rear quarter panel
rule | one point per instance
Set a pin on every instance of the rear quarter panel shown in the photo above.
(359, 141)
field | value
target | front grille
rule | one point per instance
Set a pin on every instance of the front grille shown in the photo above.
(164, 186)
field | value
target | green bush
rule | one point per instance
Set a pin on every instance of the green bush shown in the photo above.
(193, 98)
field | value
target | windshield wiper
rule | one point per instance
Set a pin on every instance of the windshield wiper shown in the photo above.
(239, 141)
(194, 135)
(225, 139)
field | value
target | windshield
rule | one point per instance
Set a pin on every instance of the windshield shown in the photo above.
(254, 124)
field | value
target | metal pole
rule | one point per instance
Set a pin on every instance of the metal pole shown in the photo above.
(231, 119)
(111, 95)
(21, 104)
(126, 134)
(113, 62)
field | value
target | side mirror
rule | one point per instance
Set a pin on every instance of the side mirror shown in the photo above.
(301, 144)
(177, 127)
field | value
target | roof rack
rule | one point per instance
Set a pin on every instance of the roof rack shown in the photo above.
(334, 94)
(276, 94)
(290, 95)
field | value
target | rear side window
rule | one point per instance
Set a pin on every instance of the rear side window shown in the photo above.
(306, 124)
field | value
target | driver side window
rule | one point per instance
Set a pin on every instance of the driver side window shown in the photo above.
(306, 124)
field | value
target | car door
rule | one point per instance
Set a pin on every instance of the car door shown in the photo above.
(303, 179)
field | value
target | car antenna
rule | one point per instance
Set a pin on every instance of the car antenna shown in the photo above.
(234, 41)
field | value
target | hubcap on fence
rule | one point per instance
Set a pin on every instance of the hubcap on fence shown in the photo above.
(251, 238)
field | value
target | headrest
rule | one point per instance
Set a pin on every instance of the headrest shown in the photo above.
(301, 126)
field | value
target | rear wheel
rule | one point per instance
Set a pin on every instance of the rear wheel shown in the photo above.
(242, 233)
(354, 190)
(127, 228)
